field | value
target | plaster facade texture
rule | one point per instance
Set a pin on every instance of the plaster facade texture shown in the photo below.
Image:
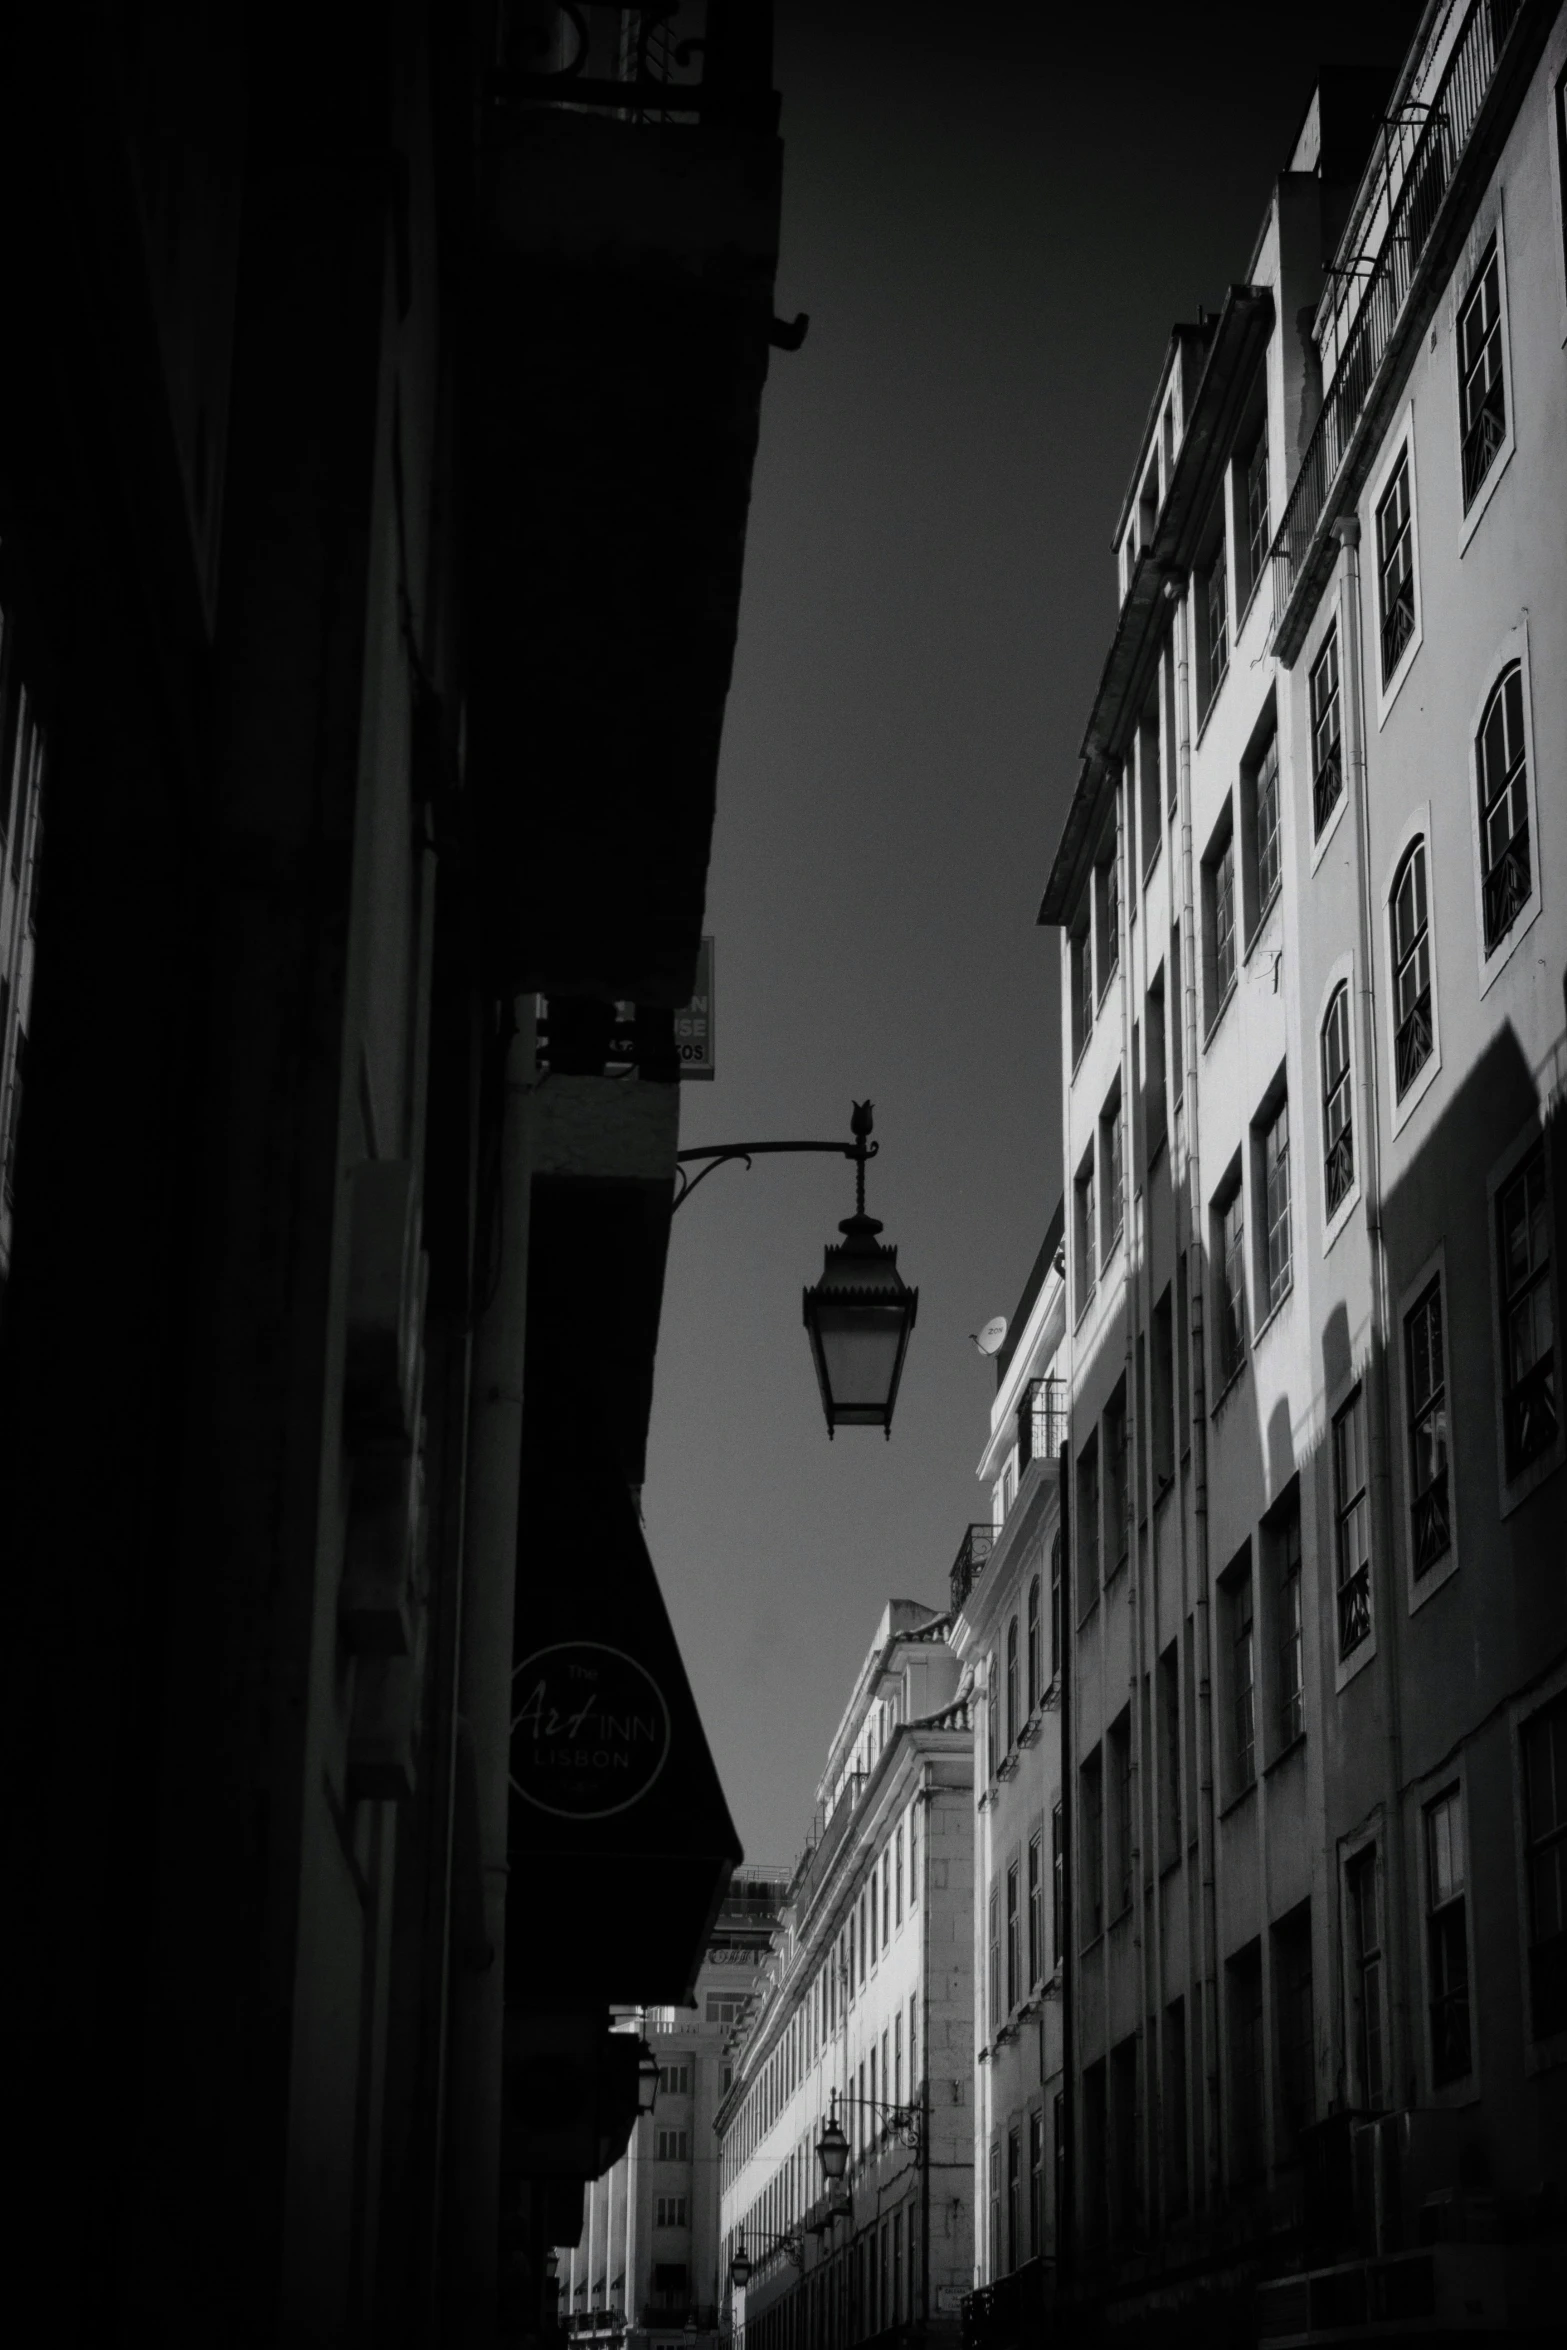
(1006, 1633)
(1313, 952)
(867, 2010)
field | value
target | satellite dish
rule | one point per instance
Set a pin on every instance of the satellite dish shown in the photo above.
(989, 1339)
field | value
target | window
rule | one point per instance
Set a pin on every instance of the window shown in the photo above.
(1087, 1237)
(1244, 1971)
(1123, 2122)
(1230, 1265)
(886, 1897)
(896, 2312)
(914, 1869)
(1082, 991)
(1057, 1627)
(995, 2209)
(1110, 1159)
(1365, 1972)
(1169, 1702)
(1162, 1414)
(1411, 969)
(1529, 1412)
(1256, 506)
(672, 2146)
(897, 1877)
(1352, 1525)
(1036, 1910)
(1120, 1855)
(1482, 396)
(1036, 2183)
(1243, 1680)
(1057, 1889)
(995, 1960)
(1425, 1377)
(669, 2211)
(1036, 1660)
(1395, 568)
(1091, 1813)
(1107, 914)
(1014, 1939)
(1175, 2174)
(1117, 1514)
(1275, 1188)
(1506, 871)
(1296, 2098)
(674, 2080)
(1263, 793)
(1327, 762)
(1155, 1107)
(897, 2058)
(21, 819)
(1337, 1110)
(1177, 1025)
(1220, 893)
(1014, 2198)
(1287, 1616)
(1544, 1744)
(1447, 1940)
(670, 2278)
(1088, 1525)
(1213, 622)
(1150, 785)
(1012, 1685)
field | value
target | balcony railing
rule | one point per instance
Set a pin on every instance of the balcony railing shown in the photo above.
(1434, 151)
(1041, 1421)
(969, 1565)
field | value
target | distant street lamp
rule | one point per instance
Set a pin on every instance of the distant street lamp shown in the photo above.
(832, 2148)
(859, 1315)
(647, 2079)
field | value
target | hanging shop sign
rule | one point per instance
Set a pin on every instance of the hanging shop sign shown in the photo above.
(590, 1730)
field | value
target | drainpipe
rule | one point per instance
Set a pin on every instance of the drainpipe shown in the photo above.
(1385, 1616)
(1196, 1293)
(927, 1806)
(489, 1602)
(1066, 2185)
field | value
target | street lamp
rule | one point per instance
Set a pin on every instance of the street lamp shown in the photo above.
(740, 2266)
(859, 1315)
(832, 2148)
(647, 2079)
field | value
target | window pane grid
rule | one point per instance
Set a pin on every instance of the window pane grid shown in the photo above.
(1276, 1191)
(1528, 1334)
(1506, 871)
(1352, 1511)
(1339, 1160)
(1395, 568)
(1268, 825)
(1224, 923)
(1232, 1264)
(1292, 1663)
(1482, 397)
(1411, 968)
(1245, 1667)
(1430, 1518)
(1327, 767)
(1447, 1945)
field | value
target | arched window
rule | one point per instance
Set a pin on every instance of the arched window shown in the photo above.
(1036, 1677)
(1012, 1685)
(1337, 1111)
(1505, 870)
(1411, 968)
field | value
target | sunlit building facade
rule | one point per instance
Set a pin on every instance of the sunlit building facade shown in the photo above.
(1313, 950)
(1006, 1628)
(867, 2013)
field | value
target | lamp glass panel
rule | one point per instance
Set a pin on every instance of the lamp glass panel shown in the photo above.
(860, 1348)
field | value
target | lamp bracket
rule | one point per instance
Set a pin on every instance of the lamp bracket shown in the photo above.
(723, 1154)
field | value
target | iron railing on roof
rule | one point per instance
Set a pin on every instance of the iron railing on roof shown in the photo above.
(1041, 1420)
(974, 1549)
(1432, 158)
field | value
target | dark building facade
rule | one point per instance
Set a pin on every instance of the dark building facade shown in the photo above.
(376, 431)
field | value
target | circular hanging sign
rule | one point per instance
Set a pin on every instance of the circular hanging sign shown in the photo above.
(589, 1730)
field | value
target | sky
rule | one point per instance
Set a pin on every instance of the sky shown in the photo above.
(992, 227)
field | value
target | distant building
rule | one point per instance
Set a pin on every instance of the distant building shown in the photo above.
(1313, 944)
(1006, 1628)
(648, 2260)
(867, 2012)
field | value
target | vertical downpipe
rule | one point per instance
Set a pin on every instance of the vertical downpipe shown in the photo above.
(1066, 2187)
(1385, 1617)
(1196, 1291)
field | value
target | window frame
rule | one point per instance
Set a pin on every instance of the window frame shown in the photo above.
(1232, 1335)
(1323, 828)
(1238, 1588)
(1216, 901)
(1541, 2050)
(1085, 1235)
(1334, 1218)
(1418, 833)
(1488, 232)
(1364, 1854)
(1420, 1589)
(1274, 1284)
(1349, 1662)
(1461, 2088)
(1400, 453)
(1284, 1625)
(1211, 573)
(1516, 1489)
(1492, 961)
(1111, 1141)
